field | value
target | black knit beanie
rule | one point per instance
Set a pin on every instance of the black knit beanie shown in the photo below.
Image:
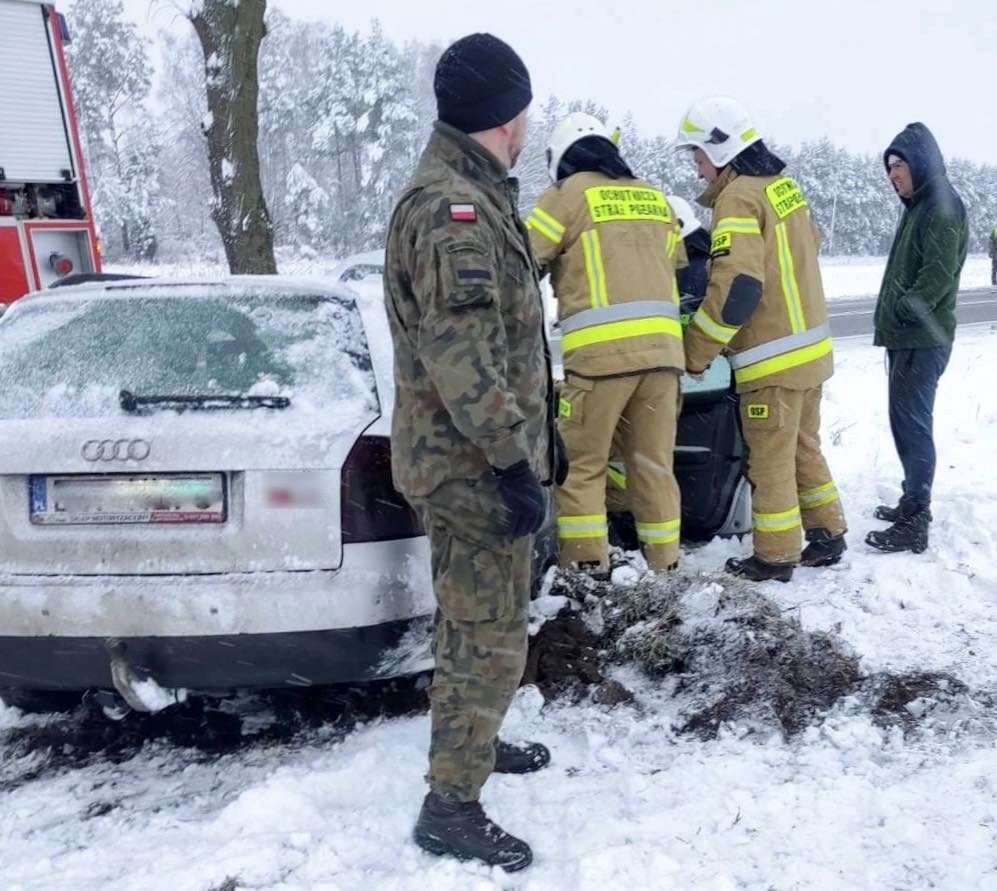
(480, 83)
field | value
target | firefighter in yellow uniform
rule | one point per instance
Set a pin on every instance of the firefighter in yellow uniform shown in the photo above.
(765, 307)
(611, 244)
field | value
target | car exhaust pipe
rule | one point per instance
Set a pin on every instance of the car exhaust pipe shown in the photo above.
(141, 694)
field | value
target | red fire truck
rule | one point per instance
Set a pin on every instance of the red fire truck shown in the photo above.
(47, 229)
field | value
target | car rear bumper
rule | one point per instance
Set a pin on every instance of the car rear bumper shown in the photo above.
(256, 629)
(221, 662)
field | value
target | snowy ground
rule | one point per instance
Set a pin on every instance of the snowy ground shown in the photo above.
(861, 276)
(843, 276)
(627, 803)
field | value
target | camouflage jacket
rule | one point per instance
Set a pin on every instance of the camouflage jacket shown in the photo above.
(473, 383)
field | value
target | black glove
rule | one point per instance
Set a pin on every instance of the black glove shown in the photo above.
(561, 463)
(524, 497)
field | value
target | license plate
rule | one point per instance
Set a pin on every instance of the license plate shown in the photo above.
(126, 498)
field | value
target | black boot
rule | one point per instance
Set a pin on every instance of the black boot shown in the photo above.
(908, 533)
(594, 570)
(886, 513)
(758, 570)
(892, 514)
(452, 828)
(520, 758)
(824, 549)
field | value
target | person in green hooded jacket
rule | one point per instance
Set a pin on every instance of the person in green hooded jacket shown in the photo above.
(915, 321)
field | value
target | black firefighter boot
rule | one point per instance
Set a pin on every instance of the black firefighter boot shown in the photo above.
(524, 757)
(757, 570)
(824, 549)
(460, 829)
(908, 533)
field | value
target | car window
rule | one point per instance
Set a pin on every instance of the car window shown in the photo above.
(715, 378)
(72, 358)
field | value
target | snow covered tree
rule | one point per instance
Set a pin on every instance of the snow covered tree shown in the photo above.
(230, 35)
(185, 181)
(388, 128)
(342, 120)
(111, 73)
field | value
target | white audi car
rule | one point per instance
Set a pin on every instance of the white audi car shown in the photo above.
(195, 491)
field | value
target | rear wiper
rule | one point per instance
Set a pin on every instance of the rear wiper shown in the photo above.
(202, 402)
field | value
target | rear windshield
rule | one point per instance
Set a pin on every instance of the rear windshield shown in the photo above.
(72, 358)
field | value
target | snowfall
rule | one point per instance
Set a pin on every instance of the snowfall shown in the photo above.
(628, 802)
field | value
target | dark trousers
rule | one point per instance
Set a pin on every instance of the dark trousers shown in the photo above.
(914, 376)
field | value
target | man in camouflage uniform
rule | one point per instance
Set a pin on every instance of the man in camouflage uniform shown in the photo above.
(473, 439)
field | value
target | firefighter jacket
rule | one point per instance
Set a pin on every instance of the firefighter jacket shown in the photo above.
(611, 247)
(765, 302)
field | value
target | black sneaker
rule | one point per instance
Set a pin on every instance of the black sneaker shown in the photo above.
(451, 828)
(908, 533)
(758, 570)
(521, 757)
(824, 549)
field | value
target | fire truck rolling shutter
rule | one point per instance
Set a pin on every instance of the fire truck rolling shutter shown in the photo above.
(34, 146)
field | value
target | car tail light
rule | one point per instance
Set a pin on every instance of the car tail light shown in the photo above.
(372, 509)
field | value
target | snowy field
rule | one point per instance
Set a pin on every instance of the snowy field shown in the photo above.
(628, 803)
(843, 276)
(861, 276)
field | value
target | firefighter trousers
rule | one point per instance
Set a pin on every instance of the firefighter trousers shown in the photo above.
(645, 407)
(791, 486)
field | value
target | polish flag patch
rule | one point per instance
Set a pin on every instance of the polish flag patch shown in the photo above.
(463, 213)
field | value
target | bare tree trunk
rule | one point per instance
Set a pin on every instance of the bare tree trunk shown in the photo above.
(230, 36)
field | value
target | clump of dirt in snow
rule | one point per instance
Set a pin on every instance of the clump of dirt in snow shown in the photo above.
(735, 656)
(935, 701)
(731, 655)
(209, 727)
(566, 658)
(565, 661)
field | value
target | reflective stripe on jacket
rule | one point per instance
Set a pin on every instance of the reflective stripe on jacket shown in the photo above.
(611, 247)
(765, 300)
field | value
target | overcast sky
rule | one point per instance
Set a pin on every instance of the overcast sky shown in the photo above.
(854, 70)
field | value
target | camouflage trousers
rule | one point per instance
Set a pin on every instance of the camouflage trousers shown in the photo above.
(481, 578)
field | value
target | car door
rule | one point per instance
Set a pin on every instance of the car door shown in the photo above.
(709, 464)
(710, 455)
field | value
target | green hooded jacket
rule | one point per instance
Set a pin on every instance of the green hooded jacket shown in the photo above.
(916, 306)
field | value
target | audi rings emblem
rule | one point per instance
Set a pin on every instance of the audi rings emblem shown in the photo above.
(115, 450)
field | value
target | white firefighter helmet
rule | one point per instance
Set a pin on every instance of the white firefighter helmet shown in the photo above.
(720, 126)
(570, 130)
(686, 217)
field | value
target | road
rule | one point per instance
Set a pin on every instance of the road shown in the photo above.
(852, 317)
